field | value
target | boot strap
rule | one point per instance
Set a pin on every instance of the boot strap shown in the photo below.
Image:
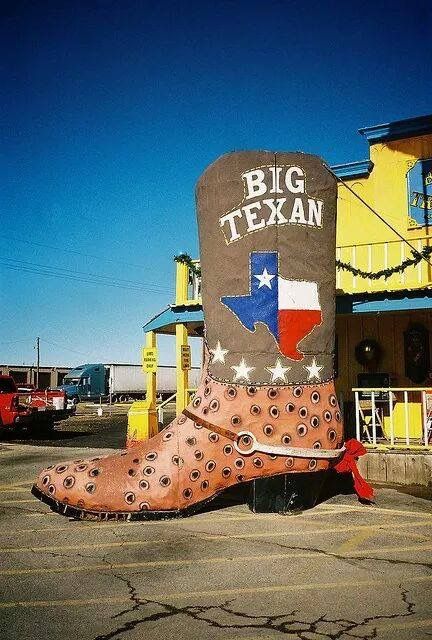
(251, 444)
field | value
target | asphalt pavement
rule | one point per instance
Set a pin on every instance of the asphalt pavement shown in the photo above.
(341, 570)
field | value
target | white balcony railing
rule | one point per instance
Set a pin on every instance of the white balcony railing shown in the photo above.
(194, 288)
(395, 416)
(380, 256)
(367, 257)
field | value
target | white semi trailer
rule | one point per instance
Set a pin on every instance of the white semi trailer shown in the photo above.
(119, 382)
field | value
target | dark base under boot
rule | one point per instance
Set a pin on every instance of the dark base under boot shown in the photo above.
(288, 493)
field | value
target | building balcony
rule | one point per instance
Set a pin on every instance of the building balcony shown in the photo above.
(379, 256)
(188, 286)
(367, 257)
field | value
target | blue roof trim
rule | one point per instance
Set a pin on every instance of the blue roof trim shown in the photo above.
(398, 129)
(384, 302)
(374, 303)
(359, 169)
(171, 316)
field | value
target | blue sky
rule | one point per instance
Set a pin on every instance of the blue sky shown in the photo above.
(112, 111)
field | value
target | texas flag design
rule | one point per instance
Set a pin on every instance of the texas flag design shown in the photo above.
(289, 308)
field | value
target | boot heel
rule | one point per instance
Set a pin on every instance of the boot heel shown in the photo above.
(287, 493)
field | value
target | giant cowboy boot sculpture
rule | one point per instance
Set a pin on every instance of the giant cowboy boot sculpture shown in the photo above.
(266, 405)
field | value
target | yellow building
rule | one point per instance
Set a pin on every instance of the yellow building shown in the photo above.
(383, 324)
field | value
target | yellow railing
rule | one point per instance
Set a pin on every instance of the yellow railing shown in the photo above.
(188, 285)
(368, 257)
(379, 256)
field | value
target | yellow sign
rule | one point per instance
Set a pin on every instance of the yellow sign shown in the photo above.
(185, 357)
(149, 359)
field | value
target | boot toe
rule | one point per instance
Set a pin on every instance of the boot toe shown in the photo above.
(73, 483)
(120, 483)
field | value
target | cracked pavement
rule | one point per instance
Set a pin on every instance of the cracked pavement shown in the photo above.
(340, 571)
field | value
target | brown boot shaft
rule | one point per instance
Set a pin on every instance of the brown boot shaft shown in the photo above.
(267, 235)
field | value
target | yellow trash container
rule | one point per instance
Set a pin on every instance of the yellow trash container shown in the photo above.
(142, 422)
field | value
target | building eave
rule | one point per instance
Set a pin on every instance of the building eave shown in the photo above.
(397, 130)
(382, 302)
(350, 170)
(165, 321)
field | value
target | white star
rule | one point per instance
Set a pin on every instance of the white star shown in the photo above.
(264, 279)
(218, 353)
(278, 372)
(242, 371)
(313, 370)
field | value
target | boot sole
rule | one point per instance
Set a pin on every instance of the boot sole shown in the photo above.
(122, 516)
(266, 495)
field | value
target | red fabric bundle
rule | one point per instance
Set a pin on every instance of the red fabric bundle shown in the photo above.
(353, 450)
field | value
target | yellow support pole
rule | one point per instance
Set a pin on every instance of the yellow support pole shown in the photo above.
(182, 275)
(142, 416)
(151, 388)
(181, 373)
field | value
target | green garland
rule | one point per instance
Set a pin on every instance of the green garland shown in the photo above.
(184, 258)
(386, 273)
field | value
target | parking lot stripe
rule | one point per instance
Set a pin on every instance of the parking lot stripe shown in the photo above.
(13, 485)
(405, 624)
(215, 517)
(208, 537)
(392, 549)
(320, 510)
(14, 490)
(156, 563)
(13, 501)
(77, 547)
(375, 508)
(409, 534)
(108, 566)
(341, 529)
(85, 527)
(215, 593)
(356, 540)
(370, 529)
(195, 519)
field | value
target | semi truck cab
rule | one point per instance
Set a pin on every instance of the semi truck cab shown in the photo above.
(117, 382)
(88, 381)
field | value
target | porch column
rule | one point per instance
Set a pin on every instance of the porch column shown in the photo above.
(150, 343)
(182, 276)
(181, 373)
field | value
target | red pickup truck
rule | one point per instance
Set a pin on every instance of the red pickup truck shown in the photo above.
(35, 409)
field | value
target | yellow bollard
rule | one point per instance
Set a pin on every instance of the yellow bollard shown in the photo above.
(142, 416)
(142, 422)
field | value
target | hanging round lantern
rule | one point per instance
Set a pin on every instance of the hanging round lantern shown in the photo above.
(368, 353)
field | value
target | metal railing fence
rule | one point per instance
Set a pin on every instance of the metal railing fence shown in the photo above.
(366, 256)
(160, 407)
(399, 416)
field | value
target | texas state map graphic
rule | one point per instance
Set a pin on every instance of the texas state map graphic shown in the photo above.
(290, 309)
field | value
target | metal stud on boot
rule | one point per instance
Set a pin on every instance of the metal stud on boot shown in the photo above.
(266, 406)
